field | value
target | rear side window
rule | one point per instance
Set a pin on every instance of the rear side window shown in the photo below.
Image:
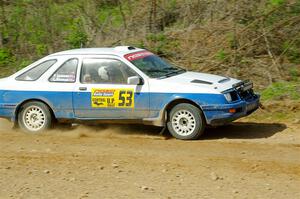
(37, 71)
(66, 72)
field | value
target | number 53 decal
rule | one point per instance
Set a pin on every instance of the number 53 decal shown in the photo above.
(125, 98)
(112, 98)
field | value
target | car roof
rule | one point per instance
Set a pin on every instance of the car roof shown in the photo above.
(119, 50)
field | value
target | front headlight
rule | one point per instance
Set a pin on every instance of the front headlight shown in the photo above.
(228, 97)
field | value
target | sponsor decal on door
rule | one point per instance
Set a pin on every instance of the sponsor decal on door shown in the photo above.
(112, 98)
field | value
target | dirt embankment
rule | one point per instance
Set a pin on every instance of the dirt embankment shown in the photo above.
(243, 160)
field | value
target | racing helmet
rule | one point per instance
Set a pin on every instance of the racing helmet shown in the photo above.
(103, 73)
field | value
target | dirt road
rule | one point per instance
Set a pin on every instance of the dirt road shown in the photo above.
(244, 160)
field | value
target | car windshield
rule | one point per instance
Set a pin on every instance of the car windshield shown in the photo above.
(152, 65)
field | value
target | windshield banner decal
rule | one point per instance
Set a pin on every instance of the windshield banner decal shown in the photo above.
(137, 55)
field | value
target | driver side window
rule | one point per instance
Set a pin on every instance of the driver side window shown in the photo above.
(105, 71)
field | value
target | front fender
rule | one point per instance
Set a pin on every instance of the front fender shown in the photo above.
(161, 102)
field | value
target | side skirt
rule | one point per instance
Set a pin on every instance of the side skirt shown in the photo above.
(110, 121)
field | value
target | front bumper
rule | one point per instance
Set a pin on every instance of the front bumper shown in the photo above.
(217, 115)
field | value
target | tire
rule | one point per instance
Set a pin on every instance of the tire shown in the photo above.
(34, 117)
(186, 122)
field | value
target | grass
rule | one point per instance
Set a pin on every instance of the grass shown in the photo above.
(282, 90)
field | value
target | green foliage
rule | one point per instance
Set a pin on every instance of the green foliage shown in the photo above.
(13, 66)
(295, 8)
(276, 2)
(292, 52)
(5, 57)
(222, 55)
(31, 29)
(160, 37)
(140, 44)
(159, 41)
(280, 10)
(232, 41)
(110, 12)
(171, 4)
(77, 37)
(280, 18)
(282, 89)
(41, 49)
(294, 73)
(23, 63)
(161, 44)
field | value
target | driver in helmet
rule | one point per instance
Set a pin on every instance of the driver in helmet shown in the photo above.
(103, 73)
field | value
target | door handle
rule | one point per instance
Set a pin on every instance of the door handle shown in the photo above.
(82, 88)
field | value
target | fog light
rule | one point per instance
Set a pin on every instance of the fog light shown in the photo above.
(232, 110)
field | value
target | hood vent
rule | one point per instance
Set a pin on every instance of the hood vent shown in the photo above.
(224, 80)
(197, 81)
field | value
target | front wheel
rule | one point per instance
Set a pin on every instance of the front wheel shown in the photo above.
(34, 117)
(186, 122)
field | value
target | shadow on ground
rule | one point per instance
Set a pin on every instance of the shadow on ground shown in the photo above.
(128, 129)
(244, 130)
(237, 130)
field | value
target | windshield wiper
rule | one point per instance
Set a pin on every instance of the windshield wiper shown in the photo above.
(169, 69)
(167, 72)
(161, 70)
(173, 73)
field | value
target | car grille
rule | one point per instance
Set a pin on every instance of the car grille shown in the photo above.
(246, 95)
(243, 95)
(244, 90)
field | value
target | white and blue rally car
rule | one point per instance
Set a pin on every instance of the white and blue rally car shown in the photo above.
(121, 84)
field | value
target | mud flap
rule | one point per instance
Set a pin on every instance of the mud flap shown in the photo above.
(15, 126)
(163, 131)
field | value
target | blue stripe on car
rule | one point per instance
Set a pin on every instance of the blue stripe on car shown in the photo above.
(147, 105)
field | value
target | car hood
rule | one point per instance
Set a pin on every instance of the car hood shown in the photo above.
(216, 82)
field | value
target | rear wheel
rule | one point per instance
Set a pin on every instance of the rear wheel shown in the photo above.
(34, 117)
(186, 122)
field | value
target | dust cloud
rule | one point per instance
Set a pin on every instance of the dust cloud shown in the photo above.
(108, 131)
(5, 125)
(85, 131)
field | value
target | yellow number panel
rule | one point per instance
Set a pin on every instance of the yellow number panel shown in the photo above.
(112, 98)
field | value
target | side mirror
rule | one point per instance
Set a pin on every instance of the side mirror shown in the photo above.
(135, 80)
